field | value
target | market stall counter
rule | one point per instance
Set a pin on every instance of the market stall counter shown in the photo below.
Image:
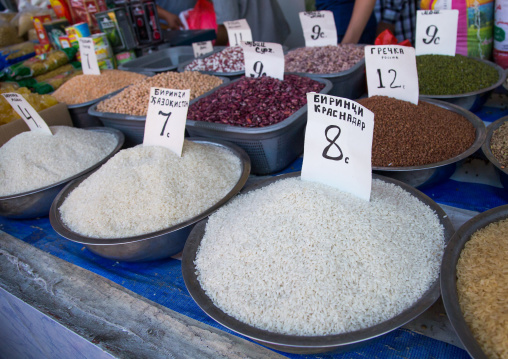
(57, 299)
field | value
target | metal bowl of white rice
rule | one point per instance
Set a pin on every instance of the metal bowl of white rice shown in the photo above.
(156, 244)
(292, 343)
(37, 203)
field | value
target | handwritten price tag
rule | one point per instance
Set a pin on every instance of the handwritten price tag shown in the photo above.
(166, 117)
(338, 144)
(88, 56)
(391, 71)
(202, 48)
(263, 59)
(436, 32)
(238, 31)
(27, 112)
(318, 28)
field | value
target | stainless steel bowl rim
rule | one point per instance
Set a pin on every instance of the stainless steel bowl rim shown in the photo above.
(449, 276)
(63, 230)
(120, 140)
(308, 342)
(479, 139)
(500, 81)
(486, 145)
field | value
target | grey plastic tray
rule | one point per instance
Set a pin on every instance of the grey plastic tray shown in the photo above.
(270, 148)
(160, 61)
(79, 112)
(503, 172)
(133, 127)
(351, 83)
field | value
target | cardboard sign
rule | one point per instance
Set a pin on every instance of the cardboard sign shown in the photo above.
(318, 28)
(436, 32)
(166, 117)
(27, 112)
(88, 56)
(202, 48)
(338, 144)
(391, 71)
(238, 31)
(263, 59)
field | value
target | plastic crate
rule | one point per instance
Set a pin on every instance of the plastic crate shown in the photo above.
(160, 61)
(270, 148)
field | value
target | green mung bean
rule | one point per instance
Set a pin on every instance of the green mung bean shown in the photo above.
(453, 75)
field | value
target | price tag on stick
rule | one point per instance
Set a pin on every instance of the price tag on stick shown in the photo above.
(166, 117)
(238, 31)
(263, 59)
(391, 71)
(436, 32)
(318, 28)
(202, 48)
(27, 112)
(338, 144)
(89, 62)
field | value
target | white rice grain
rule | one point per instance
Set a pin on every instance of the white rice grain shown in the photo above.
(302, 258)
(148, 188)
(32, 160)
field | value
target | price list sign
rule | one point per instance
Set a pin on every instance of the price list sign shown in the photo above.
(238, 31)
(202, 48)
(436, 32)
(166, 117)
(391, 71)
(318, 28)
(338, 144)
(27, 112)
(89, 62)
(263, 59)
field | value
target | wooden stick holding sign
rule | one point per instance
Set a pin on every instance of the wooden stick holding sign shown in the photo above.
(27, 112)
(166, 118)
(263, 59)
(338, 144)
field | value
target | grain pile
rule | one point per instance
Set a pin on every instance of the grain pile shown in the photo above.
(134, 99)
(409, 135)
(302, 258)
(85, 88)
(149, 188)
(482, 287)
(499, 144)
(32, 160)
(323, 59)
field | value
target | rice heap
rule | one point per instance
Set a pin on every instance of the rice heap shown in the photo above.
(148, 188)
(302, 258)
(482, 287)
(33, 160)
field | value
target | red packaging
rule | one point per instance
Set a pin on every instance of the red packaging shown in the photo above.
(39, 28)
(79, 11)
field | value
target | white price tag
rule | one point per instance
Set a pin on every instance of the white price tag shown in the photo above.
(263, 59)
(238, 31)
(391, 71)
(166, 117)
(436, 32)
(88, 56)
(27, 112)
(318, 28)
(338, 144)
(202, 48)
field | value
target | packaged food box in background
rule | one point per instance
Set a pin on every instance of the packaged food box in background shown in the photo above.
(61, 9)
(76, 31)
(39, 28)
(64, 42)
(108, 63)
(117, 27)
(41, 49)
(154, 28)
(103, 49)
(85, 10)
(126, 56)
(54, 30)
(140, 23)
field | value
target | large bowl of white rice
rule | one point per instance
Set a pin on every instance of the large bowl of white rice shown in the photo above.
(142, 204)
(303, 268)
(35, 167)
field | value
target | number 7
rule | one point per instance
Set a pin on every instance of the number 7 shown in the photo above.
(165, 122)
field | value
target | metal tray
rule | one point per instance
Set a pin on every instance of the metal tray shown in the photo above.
(503, 172)
(307, 344)
(37, 203)
(151, 246)
(471, 101)
(163, 60)
(449, 276)
(433, 173)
